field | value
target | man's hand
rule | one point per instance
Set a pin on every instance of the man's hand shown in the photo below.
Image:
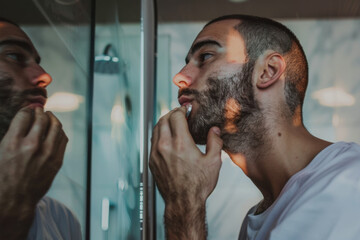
(31, 154)
(184, 175)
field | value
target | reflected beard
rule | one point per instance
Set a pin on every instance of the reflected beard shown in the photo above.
(248, 121)
(11, 101)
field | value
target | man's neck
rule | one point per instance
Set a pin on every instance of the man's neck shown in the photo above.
(273, 164)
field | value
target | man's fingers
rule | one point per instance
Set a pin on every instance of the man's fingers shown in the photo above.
(157, 129)
(21, 123)
(155, 134)
(40, 125)
(154, 141)
(178, 123)
(161, 138)
(214, 142)
(54, 129)
(164, 132)
(55, 160)
(55, 145)
(59, 155)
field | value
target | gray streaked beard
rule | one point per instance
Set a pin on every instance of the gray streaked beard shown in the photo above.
(8, 109)
(11, 101)
(249, 121)
(6, 112)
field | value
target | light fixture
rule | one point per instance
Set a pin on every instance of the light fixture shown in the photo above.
(63, 102)
(334, 97)
(117, 114)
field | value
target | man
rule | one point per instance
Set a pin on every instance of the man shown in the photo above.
(32, 145)
(246, 78)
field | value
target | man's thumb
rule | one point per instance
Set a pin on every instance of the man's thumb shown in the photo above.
(214, 142)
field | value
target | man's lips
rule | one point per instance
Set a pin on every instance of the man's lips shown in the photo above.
(184, 100)
(36, 100)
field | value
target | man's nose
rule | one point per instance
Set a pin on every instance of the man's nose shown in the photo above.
(38, 76)
(185, 77)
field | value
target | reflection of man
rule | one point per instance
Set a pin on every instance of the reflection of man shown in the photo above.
(32, 145)
(246, 79)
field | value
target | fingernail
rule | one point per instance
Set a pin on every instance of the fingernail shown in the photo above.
(216, 130)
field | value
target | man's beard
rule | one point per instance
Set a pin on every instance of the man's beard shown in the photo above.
(11, 101)
(248, 122)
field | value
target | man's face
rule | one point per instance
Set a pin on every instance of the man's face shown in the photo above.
(22, 80)
(217, 81)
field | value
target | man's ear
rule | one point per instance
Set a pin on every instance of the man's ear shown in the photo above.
(273, 66)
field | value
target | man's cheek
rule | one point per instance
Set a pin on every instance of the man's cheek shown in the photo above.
(228, 71)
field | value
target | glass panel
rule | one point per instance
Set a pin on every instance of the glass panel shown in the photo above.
(67, 60)
(115, 192)
(53, 27)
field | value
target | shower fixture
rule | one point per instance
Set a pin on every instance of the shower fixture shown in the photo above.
(109, 62)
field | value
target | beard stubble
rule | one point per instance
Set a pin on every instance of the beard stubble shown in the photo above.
(248, 120)
(11, 101)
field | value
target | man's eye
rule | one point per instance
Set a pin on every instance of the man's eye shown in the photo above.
(205, 56)
(16, 56)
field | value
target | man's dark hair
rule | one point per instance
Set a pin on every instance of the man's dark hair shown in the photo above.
(261, 34)
(2, 19)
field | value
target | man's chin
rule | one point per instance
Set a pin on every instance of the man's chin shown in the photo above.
(199, 129)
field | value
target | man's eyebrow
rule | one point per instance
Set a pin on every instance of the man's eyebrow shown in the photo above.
(199, 45)
(22, 44)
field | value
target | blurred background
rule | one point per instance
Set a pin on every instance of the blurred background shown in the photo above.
(112, 62)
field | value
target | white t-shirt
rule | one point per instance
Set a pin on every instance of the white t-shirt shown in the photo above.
(54, 221)
(320, 202)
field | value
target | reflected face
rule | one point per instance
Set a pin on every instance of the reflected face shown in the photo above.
(217, 81)
(22, 80)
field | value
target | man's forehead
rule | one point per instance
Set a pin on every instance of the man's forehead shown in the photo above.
(8, 30)
(224, 35)
(218, 30)
(10, 33)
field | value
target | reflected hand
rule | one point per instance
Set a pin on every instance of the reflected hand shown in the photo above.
(31, 154)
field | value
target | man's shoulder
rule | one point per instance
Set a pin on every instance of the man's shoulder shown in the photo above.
(53, 220)
(331, 179)
(55, 208)
(327, 186)
(336, 158)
